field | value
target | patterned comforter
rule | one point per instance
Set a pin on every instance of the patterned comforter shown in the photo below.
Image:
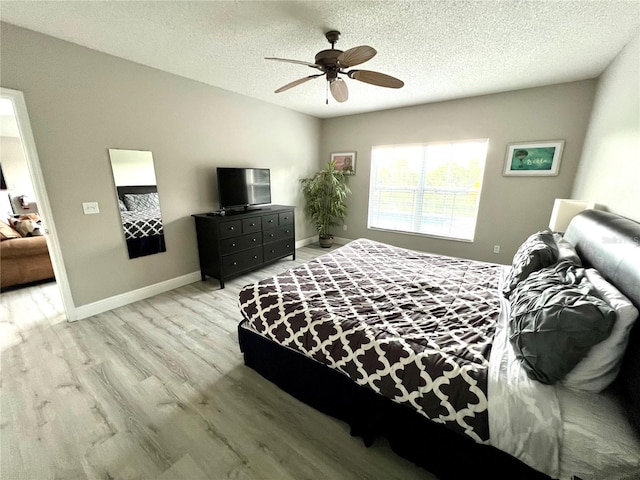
(142, 223)
(414, 327)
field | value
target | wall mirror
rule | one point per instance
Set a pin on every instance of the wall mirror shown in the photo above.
(135, 180)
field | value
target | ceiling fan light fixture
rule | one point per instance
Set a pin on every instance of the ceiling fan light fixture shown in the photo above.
(339, 90)
(332, 62)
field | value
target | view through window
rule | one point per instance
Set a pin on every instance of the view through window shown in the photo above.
(431, 189)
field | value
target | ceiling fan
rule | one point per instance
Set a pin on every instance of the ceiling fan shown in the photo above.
(333, 63)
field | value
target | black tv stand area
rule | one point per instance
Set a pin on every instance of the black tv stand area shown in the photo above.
(248, 240)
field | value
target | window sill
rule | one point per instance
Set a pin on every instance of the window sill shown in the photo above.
(428, 235)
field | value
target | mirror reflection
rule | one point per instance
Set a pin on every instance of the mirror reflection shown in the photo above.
(135, 180)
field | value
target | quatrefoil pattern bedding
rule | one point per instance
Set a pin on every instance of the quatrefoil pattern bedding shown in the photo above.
(414, 327)
(142, 223)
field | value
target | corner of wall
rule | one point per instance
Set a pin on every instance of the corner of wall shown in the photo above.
(609, 167)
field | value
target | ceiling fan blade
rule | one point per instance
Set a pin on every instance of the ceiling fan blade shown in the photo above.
(339, 90)
(299, 62)
(356, 56)
(376, 78)
(295, 83)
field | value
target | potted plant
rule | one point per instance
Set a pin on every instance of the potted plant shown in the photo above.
(325, 195)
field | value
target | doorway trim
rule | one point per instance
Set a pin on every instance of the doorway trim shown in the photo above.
(44, 207)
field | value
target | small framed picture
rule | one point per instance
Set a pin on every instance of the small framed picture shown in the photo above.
(534, 158)
(345, 162)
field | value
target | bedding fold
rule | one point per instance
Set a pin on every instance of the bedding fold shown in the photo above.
(524, 415)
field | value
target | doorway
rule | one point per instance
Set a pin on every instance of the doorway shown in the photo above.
(31, 191)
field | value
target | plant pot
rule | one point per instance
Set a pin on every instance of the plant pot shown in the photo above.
(326, 241)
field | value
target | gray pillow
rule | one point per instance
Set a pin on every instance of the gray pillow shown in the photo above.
(538, 251)
(141, 201)
(601, 365)
(566, 251)
(554, 321)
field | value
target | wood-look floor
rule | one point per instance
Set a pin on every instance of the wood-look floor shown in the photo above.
(158, 390)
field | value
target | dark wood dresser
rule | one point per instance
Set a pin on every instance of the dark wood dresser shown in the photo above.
(240, 242)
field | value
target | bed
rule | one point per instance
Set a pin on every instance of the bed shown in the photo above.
(437, 353)
(141, 219)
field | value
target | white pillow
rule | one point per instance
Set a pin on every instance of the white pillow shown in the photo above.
(602, 364)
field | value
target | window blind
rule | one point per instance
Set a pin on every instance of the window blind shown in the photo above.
(431, 189)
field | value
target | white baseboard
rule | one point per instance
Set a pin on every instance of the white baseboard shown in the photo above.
(306, 241)
(342, 240)
(310, 240)
(110, 303)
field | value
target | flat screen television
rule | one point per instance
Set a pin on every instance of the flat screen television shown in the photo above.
(243, 187)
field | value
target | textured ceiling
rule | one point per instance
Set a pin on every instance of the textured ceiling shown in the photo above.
(441, 49)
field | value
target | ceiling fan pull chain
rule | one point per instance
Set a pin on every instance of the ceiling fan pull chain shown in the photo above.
(326, 102)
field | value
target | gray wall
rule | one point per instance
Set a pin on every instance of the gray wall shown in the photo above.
(511, 208)
(609, 172)
(82, 102)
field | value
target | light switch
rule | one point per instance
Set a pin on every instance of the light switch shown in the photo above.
(89, 208)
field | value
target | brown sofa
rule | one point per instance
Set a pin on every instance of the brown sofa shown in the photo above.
(24, 260)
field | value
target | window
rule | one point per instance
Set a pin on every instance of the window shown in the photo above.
(431, 189)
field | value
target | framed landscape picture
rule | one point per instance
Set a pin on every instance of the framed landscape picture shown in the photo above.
(534, 158)
(345, 162)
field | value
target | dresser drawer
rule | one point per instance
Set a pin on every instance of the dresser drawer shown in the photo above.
(280, 233)
(269, 221)
(237, 244)
(279, 249)
(231, 228)
(285, 218)
(237, 262)
(250, 225)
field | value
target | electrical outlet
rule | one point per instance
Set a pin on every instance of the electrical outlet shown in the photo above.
(496, 249)
(344, 227)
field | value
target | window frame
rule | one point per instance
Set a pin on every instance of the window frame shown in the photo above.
(421, 189)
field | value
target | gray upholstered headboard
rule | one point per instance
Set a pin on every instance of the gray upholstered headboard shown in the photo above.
(611, 244)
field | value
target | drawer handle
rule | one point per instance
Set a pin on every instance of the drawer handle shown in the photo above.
(286, 218)
(288, 246)
(287, 231)
(270, 221)
(233, 244)
(255, 256)
(273, 251)
(254, 239)
(271, 235)
(235, 263)
(231, 228)
(252, 225)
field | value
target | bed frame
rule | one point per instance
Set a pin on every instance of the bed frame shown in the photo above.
(611, 244)
(598, 236)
